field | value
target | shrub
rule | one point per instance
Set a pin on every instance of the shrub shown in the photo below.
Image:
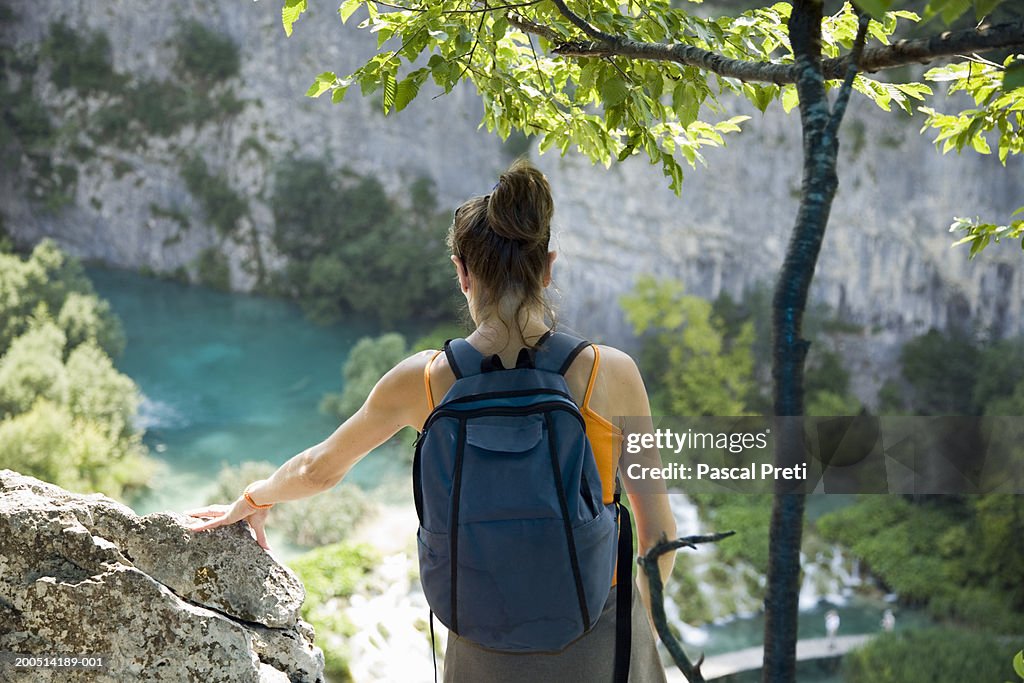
(748, 516)
(58, 284)
(33, 368)
(695, 368)
(66, 411)
(437, 336)
(85, 318)
(80, 62)
(205, 54)
(922, 656)
(349, 244)
(222, 205)
(960, 558)
(367, 362)
(326, 518)
(332, 574)
(942, 370)
(26, 120)
(213, 269)
(49, 443)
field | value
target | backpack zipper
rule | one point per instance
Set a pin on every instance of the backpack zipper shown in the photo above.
(502, 411)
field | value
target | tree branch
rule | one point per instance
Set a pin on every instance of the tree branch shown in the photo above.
(923, 50)
(478, 10)
(527, 26)
(839, 109)
(584, 25)
(649, 562)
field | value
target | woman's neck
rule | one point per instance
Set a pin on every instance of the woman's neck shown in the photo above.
(496, 334)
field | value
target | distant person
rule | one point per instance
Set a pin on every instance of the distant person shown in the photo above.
(888, 621)
(831, 627)
(501, 258)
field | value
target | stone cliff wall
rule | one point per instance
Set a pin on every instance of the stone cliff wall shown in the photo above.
(83, 576)
(886, 263)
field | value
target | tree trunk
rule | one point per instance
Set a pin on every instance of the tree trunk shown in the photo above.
(789, 349)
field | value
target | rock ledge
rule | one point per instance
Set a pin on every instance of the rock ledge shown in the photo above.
(84, 575)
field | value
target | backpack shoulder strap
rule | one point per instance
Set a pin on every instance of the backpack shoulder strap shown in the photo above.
(462, 357)
(557, 351)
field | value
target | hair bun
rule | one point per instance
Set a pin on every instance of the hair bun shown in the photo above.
(520, 206)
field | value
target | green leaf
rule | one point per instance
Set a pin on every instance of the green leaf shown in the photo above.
(322, 84)
(954, 9)
(685, 102)
(1018, 660)
(339, 94)
(876, 8)
(1013, 76)
(347, 8)
(790, 98)
(614, 91)
(983, 8)
(390, 89)
(290, 14)
(762, 95)
(407, 90)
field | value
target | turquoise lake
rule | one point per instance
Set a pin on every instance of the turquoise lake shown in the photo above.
(227, 378)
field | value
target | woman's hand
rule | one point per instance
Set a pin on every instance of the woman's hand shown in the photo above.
(220, 515)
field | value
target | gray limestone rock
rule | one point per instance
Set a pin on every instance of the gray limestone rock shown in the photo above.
(83, 575)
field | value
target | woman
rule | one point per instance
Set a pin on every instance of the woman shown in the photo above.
(499, 245)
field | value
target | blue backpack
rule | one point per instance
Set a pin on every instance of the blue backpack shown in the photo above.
(517, 550)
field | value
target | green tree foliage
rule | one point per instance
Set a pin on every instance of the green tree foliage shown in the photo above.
(696, 369)
(326, 518)
(27, 133)
(80, 61)
(333, 574)
(223, 206)
(213, 269)
(998, 93)
(33, 367)
(827, 385)
(930, 655)
(65, 412)
(999, 374)
(826, 380)
(49, 443)
(348, 243)
(942, 370)
(51, 279)
(204, 54)
(747, 515)
(949, 374)
(614, 79)
(960, 558)
(131, 110)
(367, 362)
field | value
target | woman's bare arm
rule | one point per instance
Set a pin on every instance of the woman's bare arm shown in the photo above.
(397, 400)
(654, 519)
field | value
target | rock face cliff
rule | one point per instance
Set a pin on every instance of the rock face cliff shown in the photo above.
(83, 576)
(886, 262)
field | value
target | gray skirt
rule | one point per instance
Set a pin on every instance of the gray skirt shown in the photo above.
(590, 659)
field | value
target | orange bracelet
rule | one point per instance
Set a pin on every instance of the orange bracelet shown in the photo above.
(250, 501)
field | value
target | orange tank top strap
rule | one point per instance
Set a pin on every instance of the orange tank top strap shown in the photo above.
(426, 378)
(605, 438)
